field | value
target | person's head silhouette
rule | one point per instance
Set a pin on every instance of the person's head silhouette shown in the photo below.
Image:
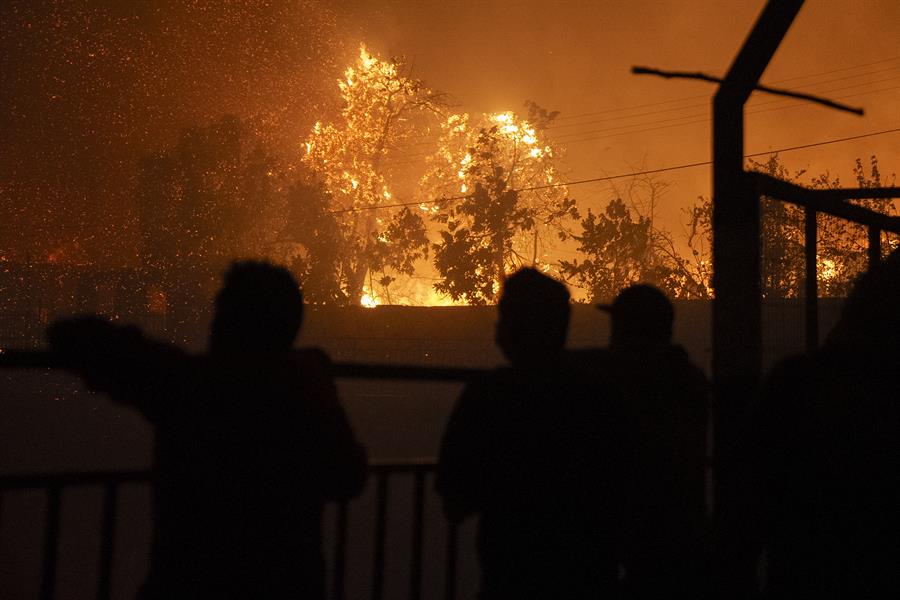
(641, 316)
(870, 317)
(534, 318)
(258, 310)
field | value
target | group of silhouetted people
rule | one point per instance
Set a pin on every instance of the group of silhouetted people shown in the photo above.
(588, 469)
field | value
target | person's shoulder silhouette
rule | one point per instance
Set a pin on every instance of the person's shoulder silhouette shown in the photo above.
(524, 449)
(820, 459)
(664, 431)
(250, 440)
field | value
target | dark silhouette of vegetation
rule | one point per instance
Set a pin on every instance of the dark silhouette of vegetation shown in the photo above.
(499, 225)
(841, 245)
(199, 205)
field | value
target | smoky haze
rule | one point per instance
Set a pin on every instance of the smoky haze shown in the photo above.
(89, 87)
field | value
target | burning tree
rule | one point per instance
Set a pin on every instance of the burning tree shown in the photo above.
(383, 105)
(624, 244)
(499, 205)
(842, 246)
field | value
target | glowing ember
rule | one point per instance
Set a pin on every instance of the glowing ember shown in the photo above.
(368, 300)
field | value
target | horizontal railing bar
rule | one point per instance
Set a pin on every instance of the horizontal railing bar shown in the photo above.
(86, 478)
(375, 371)
(73, 478)
(38, 359)
(399, 465)
(831, 202)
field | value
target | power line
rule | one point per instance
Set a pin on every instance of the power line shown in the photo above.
(623, 175)
(749, 104)
(678, 121)
(685, 98)
(705, 119)
(566, 140)
(813, 145)
(707, 97)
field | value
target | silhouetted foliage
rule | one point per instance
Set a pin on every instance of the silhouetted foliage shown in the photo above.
(319, 262)
(625, 244)
(841, 245)
(496, 226)
(617, 246)
(199, 205)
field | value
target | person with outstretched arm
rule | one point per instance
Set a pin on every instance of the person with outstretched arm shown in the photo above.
(250, 441)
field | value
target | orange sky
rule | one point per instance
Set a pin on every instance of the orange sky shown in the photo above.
(575, 57)
(89, 86)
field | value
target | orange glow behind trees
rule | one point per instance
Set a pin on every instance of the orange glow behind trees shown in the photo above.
(383, 105)
(509, 207)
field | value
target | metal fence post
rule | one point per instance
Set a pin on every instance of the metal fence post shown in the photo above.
(811, 302)
(107, 539)
(51, 543)
(874, 246)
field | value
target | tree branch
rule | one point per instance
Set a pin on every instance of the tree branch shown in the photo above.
(759, 88)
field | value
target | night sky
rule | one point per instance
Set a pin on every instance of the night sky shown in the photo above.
(88, 87)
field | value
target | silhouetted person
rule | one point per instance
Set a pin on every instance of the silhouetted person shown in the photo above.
(664, 428)
(822, 479)
(250, 441)
(528, 450)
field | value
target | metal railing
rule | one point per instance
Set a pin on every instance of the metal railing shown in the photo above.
(833, 202)
(381, 471)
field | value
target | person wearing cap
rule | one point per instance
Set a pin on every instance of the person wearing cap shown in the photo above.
(530, 450)
(664, 426)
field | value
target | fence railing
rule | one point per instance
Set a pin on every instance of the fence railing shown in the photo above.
(382, 472)
(832, 202)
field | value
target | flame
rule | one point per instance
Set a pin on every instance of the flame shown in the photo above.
(368, 301)
(827, 268)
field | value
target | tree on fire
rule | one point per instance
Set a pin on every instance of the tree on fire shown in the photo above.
(841, 246)
(498, 203)
(616, 245)
(623, 245)
(383, 105)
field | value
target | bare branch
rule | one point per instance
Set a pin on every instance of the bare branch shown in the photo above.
(759, 88)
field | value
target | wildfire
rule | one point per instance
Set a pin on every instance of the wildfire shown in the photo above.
(369, 299)
(827, 268)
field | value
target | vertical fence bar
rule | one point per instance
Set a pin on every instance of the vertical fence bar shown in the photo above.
(874, 246)
(340, 553)
(51, 543)
(107, 538)
(381, 479)
(415, 567)
(811, 304)
(450, 568)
